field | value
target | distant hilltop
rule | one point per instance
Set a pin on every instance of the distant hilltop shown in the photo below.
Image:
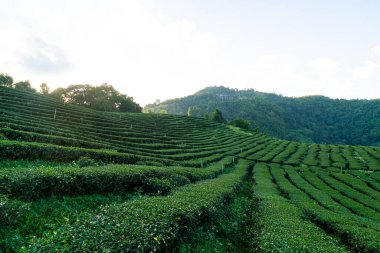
(309, 119)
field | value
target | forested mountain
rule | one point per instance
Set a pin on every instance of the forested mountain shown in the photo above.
(309, 119)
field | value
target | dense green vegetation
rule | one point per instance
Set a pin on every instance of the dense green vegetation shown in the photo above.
(73, 179)
(315, 119)
(282, 225)
(103, 97)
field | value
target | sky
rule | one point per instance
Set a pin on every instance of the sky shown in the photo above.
(162, 49)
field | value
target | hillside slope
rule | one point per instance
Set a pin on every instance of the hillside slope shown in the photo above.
(113, 137)
(309, 119)
(77, 180)
(39, 127)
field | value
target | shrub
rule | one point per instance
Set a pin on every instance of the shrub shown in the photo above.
(86, 162)
(241, 123)
(3, 137)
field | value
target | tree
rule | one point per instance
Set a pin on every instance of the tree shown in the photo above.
(102, 98)
(128, 105)
(194, 111)
(189, 111)
(24, 86)
(218, 117)
(6, 80)
(241, 123)
(44, 89)
(58, 93)
(77, 94)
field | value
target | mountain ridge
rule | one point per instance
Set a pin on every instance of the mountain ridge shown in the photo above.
(313, 118)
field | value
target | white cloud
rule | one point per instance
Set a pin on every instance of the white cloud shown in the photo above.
(376, 49)
(274, 74)
(121, 43)
(269, 73)
(369, 70)
(320, 76)
(324, 66)
(43, 57)
(147, 56)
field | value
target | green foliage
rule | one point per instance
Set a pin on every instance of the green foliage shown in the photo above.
(27, 219)
(281, 225)
(35, 183)
(58, 94)
(241, 123)
(102, 98)
(218, 117)
(24, 164)
(20, 150)
(44, 89)
(24, 86)
(146, 224)
(194, 111)
(3, 137)
(328, 189)
(64, 133)
(85, 162)
(331, 209)
(163, 112)
(6, 80)
(306, 119)
(230, 229)
(189, 111)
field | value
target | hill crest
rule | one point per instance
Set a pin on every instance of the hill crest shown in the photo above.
(308, 119)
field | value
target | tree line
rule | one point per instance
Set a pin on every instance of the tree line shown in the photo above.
(102, 97)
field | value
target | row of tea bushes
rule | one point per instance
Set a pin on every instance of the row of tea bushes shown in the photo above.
(145, 225)
(330, 209)
(280, 224)
(31, 184)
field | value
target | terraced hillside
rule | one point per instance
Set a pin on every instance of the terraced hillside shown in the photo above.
(77, 180)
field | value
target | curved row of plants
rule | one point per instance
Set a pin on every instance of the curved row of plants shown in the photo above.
(146, 224)
(336, 209)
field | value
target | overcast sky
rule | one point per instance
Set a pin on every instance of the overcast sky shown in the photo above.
(160, 49)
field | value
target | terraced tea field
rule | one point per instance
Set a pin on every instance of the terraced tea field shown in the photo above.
(77, 180)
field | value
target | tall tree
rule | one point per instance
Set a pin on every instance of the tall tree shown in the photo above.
(58, 93)
(78, 94)
(128, 105)
(24, 86)
(6, 80)
(218, 117)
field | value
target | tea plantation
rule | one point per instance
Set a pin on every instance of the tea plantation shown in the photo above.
(77, 180)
